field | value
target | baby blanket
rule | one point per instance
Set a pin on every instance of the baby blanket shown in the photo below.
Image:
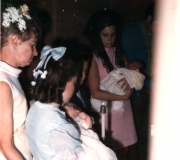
(133, 77)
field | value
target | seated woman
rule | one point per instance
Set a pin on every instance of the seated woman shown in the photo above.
(50, 134)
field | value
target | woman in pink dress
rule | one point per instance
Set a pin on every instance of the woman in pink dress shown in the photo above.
(103, 30)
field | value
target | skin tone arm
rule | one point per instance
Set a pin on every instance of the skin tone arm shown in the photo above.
(96, 92)
(7, 146)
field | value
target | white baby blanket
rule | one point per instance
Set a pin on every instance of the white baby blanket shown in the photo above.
(133, 77)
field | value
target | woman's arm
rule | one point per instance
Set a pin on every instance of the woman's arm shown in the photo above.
(96, 92)
(7, 146)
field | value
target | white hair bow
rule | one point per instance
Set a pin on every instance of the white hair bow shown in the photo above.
(46, 53)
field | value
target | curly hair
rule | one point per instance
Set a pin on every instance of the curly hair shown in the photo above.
(97, 22)
(32, 28)
(59, 72)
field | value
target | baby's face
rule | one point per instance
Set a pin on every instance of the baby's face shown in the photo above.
(134, 66)
(71, 111)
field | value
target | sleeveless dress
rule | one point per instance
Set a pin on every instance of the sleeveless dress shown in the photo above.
(10, 75)
(120, 128)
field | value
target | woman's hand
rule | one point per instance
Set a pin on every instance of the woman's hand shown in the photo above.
(128, 93)
(97, 93)
(125, 86)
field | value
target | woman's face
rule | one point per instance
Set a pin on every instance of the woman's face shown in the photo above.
(26, 51)
(69, 90)
(108, 36)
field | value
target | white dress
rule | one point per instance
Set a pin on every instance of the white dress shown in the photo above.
(92, 143)
(10, 75)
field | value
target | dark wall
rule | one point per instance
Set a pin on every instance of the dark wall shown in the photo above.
(66, 19)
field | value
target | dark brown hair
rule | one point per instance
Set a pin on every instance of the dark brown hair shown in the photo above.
(142, 65)
(59, 72)
(97, 22)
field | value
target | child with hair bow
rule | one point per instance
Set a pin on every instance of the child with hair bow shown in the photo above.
(51, 135)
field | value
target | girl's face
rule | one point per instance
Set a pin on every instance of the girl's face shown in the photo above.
(108, 36)
(69, 90)
(26, 51)
(84, 72)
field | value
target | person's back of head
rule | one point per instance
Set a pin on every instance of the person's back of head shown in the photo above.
(85, 52)
(82, 53)
(50, 82)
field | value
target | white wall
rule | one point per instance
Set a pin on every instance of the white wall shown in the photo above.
(165, 116)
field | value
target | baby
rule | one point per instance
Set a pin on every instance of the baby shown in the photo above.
(133, 75)
(138, 65)
(84, 123)
(81, 118)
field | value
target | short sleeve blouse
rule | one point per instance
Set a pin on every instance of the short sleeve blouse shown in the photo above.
(50, 134)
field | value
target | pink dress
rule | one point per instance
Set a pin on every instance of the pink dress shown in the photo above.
(120, 128)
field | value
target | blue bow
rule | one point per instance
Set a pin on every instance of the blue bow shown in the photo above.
(49, 52)
(56, 53)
